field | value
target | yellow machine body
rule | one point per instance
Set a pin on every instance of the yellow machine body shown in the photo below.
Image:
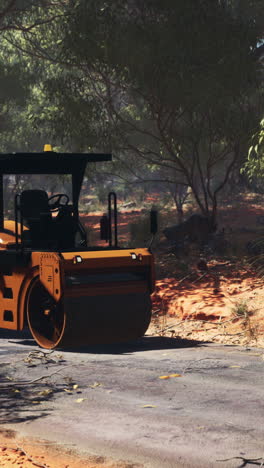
(100, 295)
(66, 291)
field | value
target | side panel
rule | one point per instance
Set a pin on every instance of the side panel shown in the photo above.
(12, 274)
(14, 284)
(10, 284)
(50, 273)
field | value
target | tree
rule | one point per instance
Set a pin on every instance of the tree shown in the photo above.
(26, 15)
(172, 83)
(16, 78)
(21, 95)
(254, 166)
(170, 87)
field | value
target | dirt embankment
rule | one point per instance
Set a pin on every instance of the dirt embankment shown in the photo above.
(223, 299)
(26, 453)
(223, 304)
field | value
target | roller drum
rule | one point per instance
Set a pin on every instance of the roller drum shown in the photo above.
(105, 319)
(86, 320)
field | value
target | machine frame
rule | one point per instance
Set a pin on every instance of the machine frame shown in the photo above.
(76, 295)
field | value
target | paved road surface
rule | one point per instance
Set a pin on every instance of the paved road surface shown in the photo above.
(94, 400)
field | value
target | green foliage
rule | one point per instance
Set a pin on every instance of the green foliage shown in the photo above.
(241, 309)
(167, 47)
(171, 88)
(254, 166)
(172, 83)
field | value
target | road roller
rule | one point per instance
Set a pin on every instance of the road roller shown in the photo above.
(52, 281)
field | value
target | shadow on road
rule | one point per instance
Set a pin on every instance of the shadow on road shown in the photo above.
(23, 337)
(13, 334)
(21, 403)
(147, 343)
(18, 409)
(18, 404)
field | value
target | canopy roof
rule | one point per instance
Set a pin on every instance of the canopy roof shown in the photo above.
(48, 162)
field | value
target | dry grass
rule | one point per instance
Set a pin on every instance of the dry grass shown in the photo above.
(236, 330)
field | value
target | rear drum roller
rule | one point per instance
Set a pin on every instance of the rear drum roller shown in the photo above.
(106, 319)
(86, 320)
(46, 318)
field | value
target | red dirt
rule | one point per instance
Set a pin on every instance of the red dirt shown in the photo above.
(27, 453)
(225, 305)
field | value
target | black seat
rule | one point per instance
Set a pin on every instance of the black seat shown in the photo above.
(46, 231)
(35, 212)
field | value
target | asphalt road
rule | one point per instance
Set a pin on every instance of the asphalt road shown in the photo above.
(111, 401)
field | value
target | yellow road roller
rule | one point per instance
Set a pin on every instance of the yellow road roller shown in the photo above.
(67, 292)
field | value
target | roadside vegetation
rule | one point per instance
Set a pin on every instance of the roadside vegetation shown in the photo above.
(174, 90)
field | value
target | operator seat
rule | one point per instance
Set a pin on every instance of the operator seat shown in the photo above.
(45, 231)
(35, 211)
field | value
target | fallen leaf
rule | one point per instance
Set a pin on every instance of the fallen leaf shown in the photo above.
(96, 384)
(80, 400)
(15, 390)
(45, 392)
(75, 387)
(233, 367)
(149, 406)
(36, 402)
(164, 377)
(67, 390)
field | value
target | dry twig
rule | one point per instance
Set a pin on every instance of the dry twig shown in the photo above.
(252, 461)
(44, 376)
(23, 452)
(196, 360)
(32, 460)
(37, 379)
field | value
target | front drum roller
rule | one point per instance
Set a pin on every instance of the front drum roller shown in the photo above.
(86, 320)
(46, 318)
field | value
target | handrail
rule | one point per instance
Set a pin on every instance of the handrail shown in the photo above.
(112, 195)
(16, 221)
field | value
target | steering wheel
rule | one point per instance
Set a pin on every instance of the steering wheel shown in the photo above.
(56, 205)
